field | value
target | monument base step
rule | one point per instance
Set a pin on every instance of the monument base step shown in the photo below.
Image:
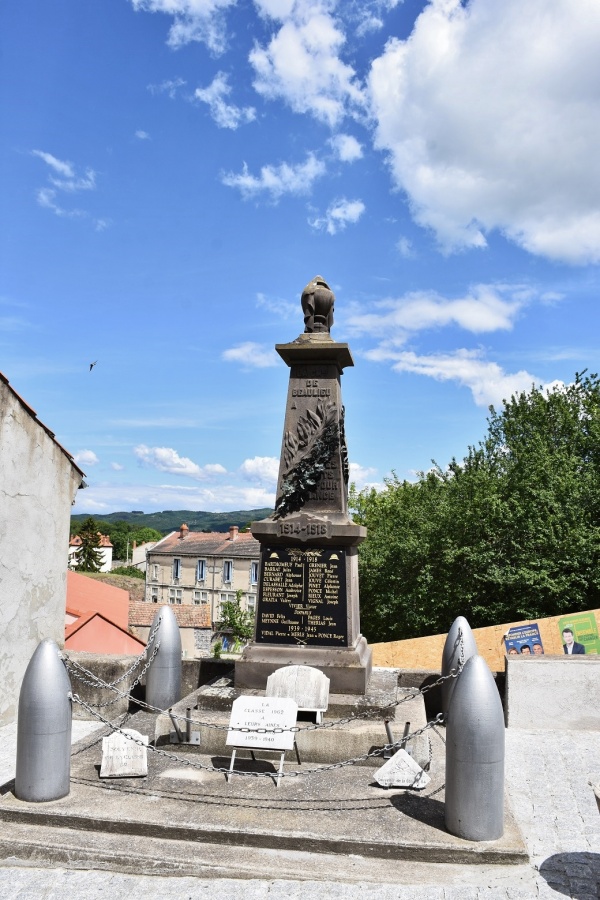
(184, 818)
(348, 668)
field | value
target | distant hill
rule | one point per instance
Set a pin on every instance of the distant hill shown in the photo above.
(170, 519)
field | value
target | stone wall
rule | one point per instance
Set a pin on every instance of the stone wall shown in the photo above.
(38, 484)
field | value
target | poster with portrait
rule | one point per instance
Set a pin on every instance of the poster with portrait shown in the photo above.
(579, 634)
(524, 640)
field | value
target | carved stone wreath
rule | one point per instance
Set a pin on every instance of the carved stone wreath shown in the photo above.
(306, 455)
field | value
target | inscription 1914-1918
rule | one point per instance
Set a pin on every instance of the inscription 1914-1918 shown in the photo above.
(302, 597)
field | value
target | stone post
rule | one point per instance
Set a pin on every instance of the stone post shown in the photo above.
(44, 728)
(163, 679)
(475, 756)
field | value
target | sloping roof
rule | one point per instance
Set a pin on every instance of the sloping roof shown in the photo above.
(90, 595)
(104, 541)
(213, 543)
(186, 616)
(31, 412)
(95, 633)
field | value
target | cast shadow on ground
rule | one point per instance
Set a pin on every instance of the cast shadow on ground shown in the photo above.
(575, 875)
(423, 809)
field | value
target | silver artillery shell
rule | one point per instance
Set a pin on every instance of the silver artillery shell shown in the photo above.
(475, 756)
(44, 728)
(163, 679)
(451, 655)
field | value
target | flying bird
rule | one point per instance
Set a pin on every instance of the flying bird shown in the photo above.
(92, 365)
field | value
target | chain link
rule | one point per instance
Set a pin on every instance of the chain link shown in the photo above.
(72, 667)
(293, 774)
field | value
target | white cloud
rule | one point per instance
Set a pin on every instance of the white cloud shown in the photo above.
(170, 87)
(285, 309)
(338, 215)
(347, 148)
(251, 355)
(194, 20)
(485, 308)
(362, 476)
(490, 118)
(264, 469)
(405, 248)
(116, 467)
(226, 115)
(142, 135)
(487, 381)
(165, 459)
(70, 183)
(58, 165)
(104, 497)
(86, 458)
(301, 63)
(277, 180)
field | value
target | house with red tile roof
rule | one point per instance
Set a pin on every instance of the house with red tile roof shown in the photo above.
(105, 548)
(203, 569)
(194, 623)
(97, 618)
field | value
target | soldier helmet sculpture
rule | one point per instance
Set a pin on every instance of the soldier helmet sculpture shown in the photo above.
(317, 305)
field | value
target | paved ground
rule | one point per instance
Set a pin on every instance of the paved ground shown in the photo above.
(548, 775)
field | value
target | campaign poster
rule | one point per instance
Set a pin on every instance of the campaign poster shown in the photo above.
(580, 633)
(524, 640)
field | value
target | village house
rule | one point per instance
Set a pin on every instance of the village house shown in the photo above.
(105, 549)
(204, 569)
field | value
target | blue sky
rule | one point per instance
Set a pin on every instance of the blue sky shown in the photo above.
(175, 171)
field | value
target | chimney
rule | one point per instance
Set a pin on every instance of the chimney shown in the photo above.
(233, 532)
(183, 532)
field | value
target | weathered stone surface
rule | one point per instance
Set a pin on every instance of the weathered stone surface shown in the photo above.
(402, 771)
(123, 757)
(304, 684)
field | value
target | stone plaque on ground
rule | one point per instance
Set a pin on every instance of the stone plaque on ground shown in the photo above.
(122, 757)
(259, 713)
(307, 686)
(302, 597)
(402, 771)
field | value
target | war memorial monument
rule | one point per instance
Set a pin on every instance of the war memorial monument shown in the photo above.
(308, 601)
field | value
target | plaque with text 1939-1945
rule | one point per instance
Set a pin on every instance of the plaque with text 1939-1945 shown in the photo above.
(302, 597)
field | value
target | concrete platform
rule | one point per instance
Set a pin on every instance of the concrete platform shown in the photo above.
(183, 820)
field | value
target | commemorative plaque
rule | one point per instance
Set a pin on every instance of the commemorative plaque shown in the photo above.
(302, 597)
(307, 610)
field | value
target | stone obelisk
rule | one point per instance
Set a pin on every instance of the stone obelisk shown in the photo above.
(308, 609)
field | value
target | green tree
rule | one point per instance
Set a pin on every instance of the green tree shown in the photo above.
(235, 619)
(511, 532)
(88, 557)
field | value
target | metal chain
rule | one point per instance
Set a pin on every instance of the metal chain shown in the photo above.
(293, 774)
(134, 665)
(98, 683)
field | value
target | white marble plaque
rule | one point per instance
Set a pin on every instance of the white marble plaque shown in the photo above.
(262, 712)
(402, 771)
(122, 757)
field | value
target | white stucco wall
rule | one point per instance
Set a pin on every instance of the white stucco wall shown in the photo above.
(38, 483)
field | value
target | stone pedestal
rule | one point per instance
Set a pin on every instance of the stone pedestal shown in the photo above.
(308, 604)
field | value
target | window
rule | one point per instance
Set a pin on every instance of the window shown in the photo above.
(154, 594)
(251, 603)
(253, 572)
(201, 570)
(200, 597)
(175, 595)
(225, 598)
(176, 569)
(155, 572)
(228, 571)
